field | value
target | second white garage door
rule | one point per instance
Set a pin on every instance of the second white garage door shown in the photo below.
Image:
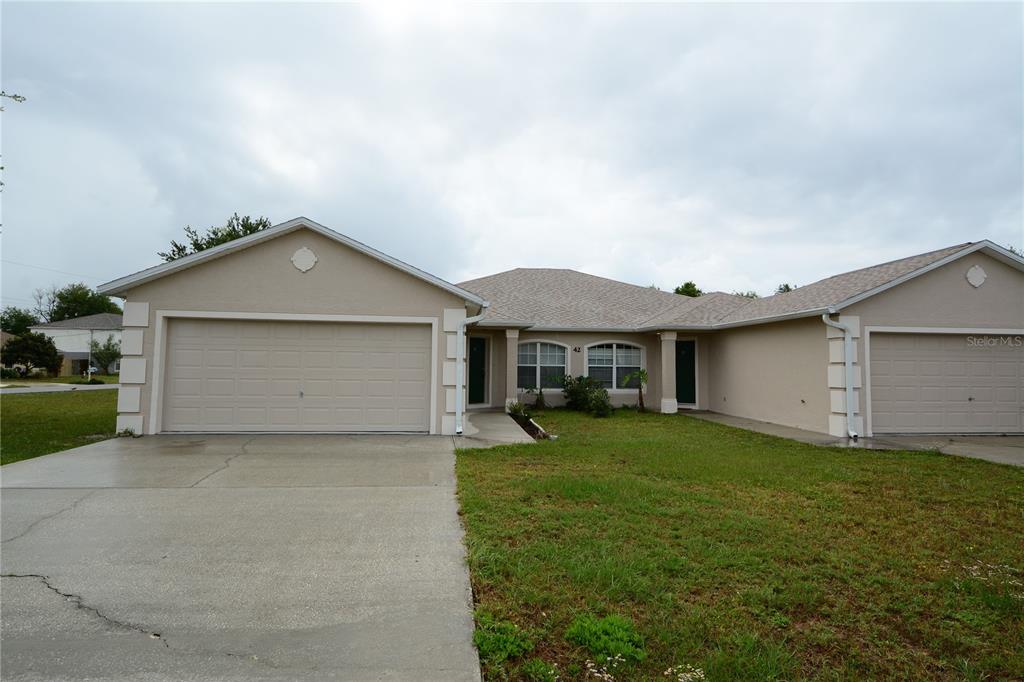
(946, 383)
(232, 376)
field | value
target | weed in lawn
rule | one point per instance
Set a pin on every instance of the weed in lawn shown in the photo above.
(498, 640)
(537, 670)
(612, 638)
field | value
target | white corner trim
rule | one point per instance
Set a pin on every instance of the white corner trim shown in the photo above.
(869, 330)
(133, 370)
(669, 406)
(131, 341)
(129, 422)
(160, 342)
(136, 314)
(452, 317)
(129, 398)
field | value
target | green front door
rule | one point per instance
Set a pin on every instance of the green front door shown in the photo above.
(477, 370)
(686, 372)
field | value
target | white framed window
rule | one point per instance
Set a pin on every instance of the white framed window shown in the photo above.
(541, 365)
(611, 363)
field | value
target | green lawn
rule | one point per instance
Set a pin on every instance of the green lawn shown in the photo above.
(747, 556)
(33, 424)
(34, 381)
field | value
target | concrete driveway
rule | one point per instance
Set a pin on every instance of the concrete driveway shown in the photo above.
(232, 557)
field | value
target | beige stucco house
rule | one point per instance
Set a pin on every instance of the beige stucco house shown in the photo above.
(299, 328)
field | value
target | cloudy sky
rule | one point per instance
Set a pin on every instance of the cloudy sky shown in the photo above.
(739, 146)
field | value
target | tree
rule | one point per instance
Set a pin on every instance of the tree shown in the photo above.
(32, 350)
(640, 376)
(234, 228)
(105, 354)
(44, 299)
(746, 294)
(16, 321)
(688, 289)
(76, 300)
(785, 288)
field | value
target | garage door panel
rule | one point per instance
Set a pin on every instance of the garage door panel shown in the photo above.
(939, 383)
(296, 376)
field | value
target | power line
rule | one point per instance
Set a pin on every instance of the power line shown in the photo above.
(40, 267)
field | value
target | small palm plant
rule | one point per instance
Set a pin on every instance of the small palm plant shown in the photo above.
(641, 380)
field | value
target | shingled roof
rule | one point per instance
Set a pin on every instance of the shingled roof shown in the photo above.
(554, 299)
(103, 321)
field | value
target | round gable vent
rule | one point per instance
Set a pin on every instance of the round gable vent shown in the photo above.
(976, 276)
(304, 259)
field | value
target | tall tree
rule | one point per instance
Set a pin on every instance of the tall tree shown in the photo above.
(785, 288)
(105, 354)
(17, 321)
(234, 228)
(747, 294)
(76, 300)
(688, 289)
(32, 350)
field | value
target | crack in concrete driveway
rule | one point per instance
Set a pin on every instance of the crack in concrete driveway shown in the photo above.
(310, 557)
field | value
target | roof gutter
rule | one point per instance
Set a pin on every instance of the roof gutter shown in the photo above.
(460, 363)
(851, 406)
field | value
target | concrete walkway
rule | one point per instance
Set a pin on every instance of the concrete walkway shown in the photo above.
(999, 449)
(301, 557)
(55, 388)
(490, 428)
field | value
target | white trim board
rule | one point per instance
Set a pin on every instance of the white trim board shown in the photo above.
(119, 287)
(867, 331)
(155, 415)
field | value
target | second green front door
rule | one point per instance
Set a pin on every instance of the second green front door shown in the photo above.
(686, 372)
(477, 370)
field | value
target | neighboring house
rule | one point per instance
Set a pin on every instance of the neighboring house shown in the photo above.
(299, 328)
(72, 339)
(5, 337)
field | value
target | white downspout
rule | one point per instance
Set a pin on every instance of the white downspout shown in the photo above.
(460, 362)
(851, 405)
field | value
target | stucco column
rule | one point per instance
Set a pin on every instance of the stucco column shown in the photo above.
(669, 405)
(511, 361)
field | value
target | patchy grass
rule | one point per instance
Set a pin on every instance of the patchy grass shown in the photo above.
(744, 555)
(33, 424)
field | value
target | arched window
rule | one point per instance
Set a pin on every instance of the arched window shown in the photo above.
(611, 363)
(541, 365)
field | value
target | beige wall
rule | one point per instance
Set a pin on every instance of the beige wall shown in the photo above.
(262, 279)
(942, 298)
(771, 372)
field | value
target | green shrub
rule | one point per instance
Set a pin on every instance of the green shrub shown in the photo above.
(499, 640)
(9, 373)
(586, 394)
(519, 409)
(607, 637)
(537, 670)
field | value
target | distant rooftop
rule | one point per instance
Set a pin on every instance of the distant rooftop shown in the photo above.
(104, 321)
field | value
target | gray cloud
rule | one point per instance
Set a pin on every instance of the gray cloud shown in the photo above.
(737, 145)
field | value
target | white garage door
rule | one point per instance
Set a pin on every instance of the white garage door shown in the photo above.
(945, 383)
(296, 376)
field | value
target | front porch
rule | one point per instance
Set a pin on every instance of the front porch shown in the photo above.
(509, 365)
